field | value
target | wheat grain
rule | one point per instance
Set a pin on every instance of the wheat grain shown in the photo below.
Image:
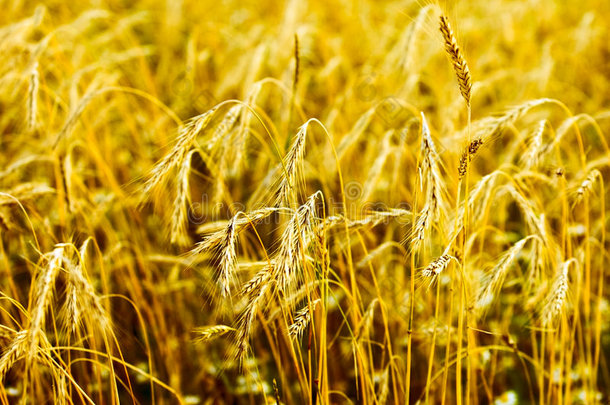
(251, 288)
(256, 298)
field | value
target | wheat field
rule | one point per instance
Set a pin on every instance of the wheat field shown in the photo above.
(350, 202)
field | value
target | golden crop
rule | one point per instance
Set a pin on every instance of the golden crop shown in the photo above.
(304, 202)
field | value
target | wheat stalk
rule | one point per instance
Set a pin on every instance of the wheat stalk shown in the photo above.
(297, 64)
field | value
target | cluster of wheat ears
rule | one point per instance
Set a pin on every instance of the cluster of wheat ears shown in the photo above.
(433, 236)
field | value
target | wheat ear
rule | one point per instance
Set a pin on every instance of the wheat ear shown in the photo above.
(33, 97)
(457, 59)
(555, 302)
(436, 266)
(206, 333)
(292, 166)
(467, 156)
(43, 295)
(496, 277)
(302, 319)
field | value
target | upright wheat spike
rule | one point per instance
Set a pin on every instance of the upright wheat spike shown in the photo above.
(43, 295)
(384, 387)
(180, 214)
(228, 259)
(531, 157)
(431, 174)
(33, 97)
(82, 301)
(554, 304)
(585, 187)
(295, 240)
(297, 63)
(292, 165)
(457, 59)
(367, 320)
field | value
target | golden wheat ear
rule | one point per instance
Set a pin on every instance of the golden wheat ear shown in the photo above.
(205, 333)
(457, 59)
